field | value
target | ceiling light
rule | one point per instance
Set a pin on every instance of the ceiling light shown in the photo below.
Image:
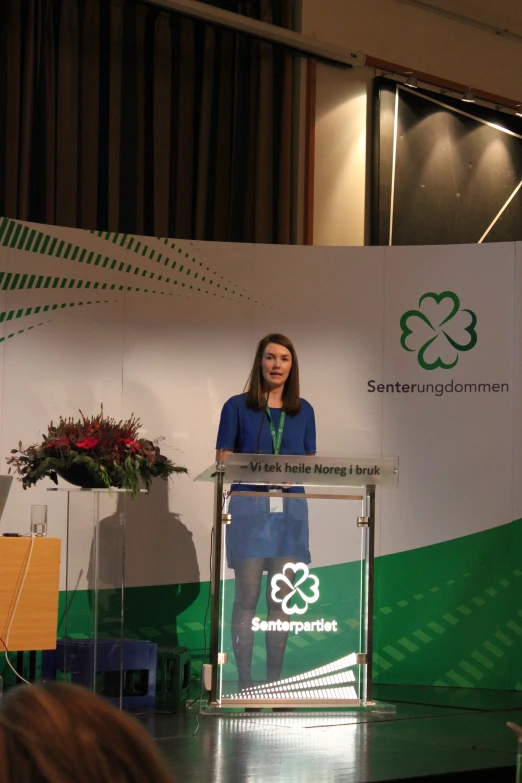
(518, 109)
(469, 96)
(412, 81)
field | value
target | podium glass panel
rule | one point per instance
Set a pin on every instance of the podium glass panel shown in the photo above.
(92, 627)
(291, 579)
(300, 644)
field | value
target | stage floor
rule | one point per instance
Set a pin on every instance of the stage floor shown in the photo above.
(436, 734)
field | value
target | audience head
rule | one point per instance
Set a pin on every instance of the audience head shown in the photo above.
(59, 733)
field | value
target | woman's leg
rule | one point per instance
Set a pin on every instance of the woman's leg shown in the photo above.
(276, 640)
(249, 573)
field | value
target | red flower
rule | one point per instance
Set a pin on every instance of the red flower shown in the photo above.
(56, 443)
(87, 443)
(134, 445)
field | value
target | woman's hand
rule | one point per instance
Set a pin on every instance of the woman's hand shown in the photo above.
(222, 455)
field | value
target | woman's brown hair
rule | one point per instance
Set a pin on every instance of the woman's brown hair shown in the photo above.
(60, 733)
(254, 385)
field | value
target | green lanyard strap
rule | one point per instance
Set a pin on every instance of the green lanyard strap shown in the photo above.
(276, 438)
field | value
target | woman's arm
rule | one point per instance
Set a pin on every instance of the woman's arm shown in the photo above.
(228, 430)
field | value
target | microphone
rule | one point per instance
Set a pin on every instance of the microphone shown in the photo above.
(261, 423)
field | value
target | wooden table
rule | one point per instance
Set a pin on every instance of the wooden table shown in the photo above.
(35, 620)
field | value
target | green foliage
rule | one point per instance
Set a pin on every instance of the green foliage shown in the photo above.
(106, 452)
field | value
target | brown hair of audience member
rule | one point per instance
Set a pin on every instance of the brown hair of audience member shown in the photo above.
(60, 733)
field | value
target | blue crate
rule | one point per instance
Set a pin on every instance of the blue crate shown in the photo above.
(138, 658)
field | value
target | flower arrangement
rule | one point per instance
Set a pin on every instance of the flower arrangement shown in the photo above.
(93, 452)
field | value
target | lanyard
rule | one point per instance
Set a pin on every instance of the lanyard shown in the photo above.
(276, 439)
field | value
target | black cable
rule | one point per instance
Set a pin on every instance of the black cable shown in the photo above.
(6, 653)
(210, 586)
(208, 601)
(198, 698)
(209, 597)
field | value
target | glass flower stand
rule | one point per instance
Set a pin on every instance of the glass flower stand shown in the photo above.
(92, 650)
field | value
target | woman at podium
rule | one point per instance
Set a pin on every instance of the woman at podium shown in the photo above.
(266, 533)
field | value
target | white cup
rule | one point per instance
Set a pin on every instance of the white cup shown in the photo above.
(39, 520)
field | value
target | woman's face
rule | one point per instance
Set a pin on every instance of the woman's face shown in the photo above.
(276, 364)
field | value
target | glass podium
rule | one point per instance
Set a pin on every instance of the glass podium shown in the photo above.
(92, 649)
(292, 581)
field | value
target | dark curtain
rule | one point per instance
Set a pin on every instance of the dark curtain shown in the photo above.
(278, 12)
(120, 116)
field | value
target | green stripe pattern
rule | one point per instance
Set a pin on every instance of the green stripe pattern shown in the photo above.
(452, 614)
(178, 268)
(448, 615)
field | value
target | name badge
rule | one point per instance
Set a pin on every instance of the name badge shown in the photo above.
(276, 503)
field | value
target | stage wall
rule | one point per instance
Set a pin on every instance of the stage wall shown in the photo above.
(405, 350)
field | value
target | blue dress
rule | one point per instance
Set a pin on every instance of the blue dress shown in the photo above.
(255, 531)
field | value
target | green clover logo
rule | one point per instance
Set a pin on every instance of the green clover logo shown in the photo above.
(438, 330)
